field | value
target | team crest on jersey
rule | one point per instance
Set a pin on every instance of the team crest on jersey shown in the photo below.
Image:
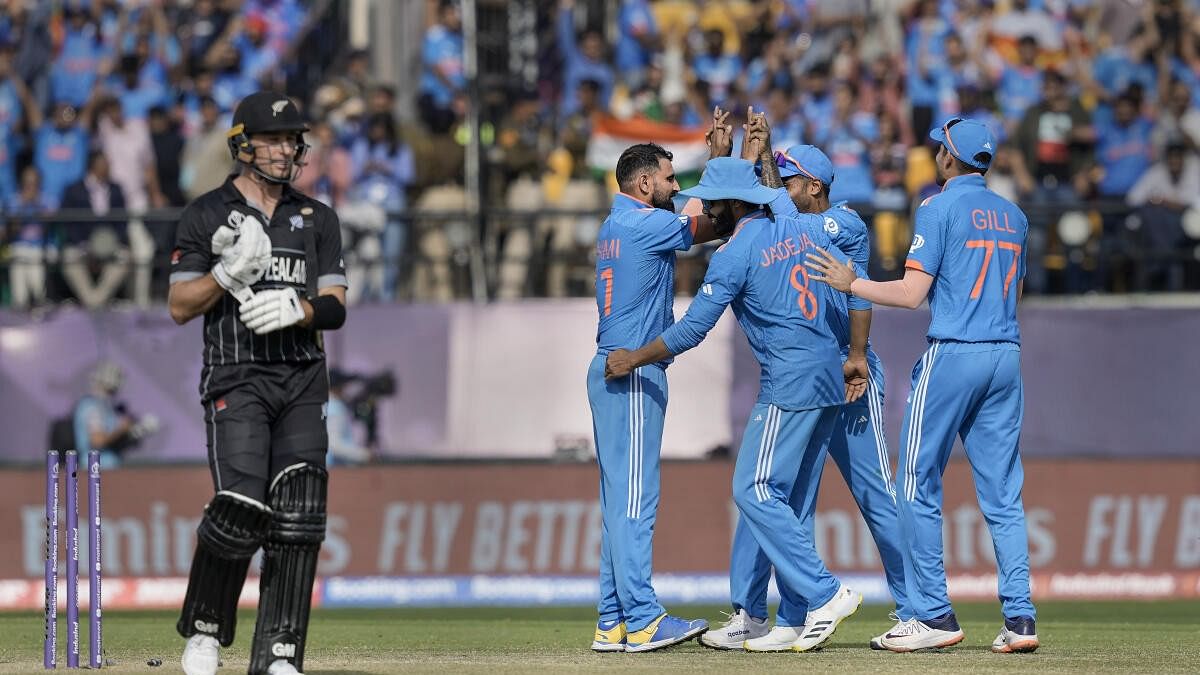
(831, 226)
(918, 242)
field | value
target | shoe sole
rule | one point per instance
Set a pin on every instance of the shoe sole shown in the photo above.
(1018, 647)
(653, 647)
(832, 629)
(908, 650)
(784, 648)
(607, 647)
(720, 647)
(876, 644)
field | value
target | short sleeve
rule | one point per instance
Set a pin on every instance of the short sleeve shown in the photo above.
(192, 255)
(925, 252)
(663, 231)
(330, 264)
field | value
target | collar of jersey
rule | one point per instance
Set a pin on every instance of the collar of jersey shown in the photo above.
(231, 194)
(622, 200)
(753, 215)
(965, 180)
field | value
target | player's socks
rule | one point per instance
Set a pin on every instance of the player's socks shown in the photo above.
(734, 632)
(610, 636)
(283, 667)
(1017, 635)
(914, 634)
(822, 621)
(877, 641)
(662, 632)
(202, 655)
(780, 639)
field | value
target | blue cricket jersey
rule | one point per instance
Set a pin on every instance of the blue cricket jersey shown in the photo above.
(760, 271)
(848, 233)
(972, 241)
(635, 272)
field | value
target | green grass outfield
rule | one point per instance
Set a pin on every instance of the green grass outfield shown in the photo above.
(1084, 637)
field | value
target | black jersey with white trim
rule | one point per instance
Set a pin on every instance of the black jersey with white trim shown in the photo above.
(227, 341)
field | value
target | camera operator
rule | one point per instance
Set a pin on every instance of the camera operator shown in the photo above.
(344, 448)
(103, 423)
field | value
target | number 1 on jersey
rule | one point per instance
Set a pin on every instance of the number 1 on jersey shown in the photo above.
(989, 247)
(606, 275)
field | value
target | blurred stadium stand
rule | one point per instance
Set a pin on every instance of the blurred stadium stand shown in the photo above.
(1100, 129)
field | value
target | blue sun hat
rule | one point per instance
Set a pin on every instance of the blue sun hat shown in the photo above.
(807, 161)
(730, 178)
(964, 139)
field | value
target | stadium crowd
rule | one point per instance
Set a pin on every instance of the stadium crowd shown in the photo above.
(110, 104)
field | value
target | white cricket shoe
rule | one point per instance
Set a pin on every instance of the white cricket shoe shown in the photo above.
(282, 667)
(822, 621)
(780, 639)
(877, 641)
(914, 635)
(202, 655)
(734, 633)
(1017, 635)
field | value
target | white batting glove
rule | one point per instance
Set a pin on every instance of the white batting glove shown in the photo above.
(271, 310)
(244, 261)
(223, 238)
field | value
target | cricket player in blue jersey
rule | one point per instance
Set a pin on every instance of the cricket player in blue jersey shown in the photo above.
(760, 272)
(857, 443)
(968, 258)
(635, 290)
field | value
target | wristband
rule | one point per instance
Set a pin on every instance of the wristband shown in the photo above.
(328, 313)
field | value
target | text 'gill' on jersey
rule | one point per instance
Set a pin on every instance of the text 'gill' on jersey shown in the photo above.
(226, 340)
(972, 241)
(761, 273)
(635, 272)
(846, 230)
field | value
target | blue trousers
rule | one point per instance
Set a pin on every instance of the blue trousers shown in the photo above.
(627, 423)
(974, 391)
(858, 448)
(775, 484)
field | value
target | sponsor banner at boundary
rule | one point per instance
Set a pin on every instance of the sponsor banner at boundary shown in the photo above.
(532, 591)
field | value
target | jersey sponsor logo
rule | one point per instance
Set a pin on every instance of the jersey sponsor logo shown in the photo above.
(175, 256)
(283, 650)
(286, 269)
(707, 289)
(831, 226)
(220, 405)
(917, 242)
(782, 250)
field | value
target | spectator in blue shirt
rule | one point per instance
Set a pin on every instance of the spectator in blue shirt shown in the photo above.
(1020, 86)
(15, 98)
(637, 39)
(583, 59)
(28, 241)
(75, 69)
(719, 68)
(848, 144)
(60, 148)
(384, 170)
(443, 82)
(1123, 148)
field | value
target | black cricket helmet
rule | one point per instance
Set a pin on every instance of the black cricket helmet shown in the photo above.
(267, 112)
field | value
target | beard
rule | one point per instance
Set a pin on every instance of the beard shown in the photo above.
(662, 200)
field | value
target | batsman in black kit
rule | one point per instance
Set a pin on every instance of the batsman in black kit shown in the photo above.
(263, 264)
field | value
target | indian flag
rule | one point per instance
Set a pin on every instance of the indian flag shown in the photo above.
(610, 137)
